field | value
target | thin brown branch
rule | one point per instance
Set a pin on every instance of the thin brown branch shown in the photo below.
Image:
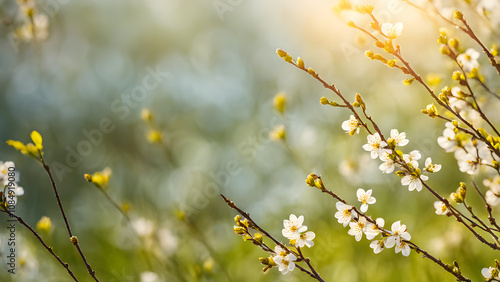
(59, 203)
(49, 249)
(255, 226)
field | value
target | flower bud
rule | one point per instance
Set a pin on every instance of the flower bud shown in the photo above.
(369, 54)
(310, 180)
(454, 43)
(408, 81)
(318, 183)
(264, 261)
(279, 102)
(239, 230)
(258, 238)
(281, 53)
(300, 63)
(458, 15)
(44, 224)
(146, 115)
(444, 50)
(74, 240)
(311, 72)
(432, 110)
(237, 218)
(324, 101)
(88, 177)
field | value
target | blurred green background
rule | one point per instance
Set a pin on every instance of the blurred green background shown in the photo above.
(213, 72)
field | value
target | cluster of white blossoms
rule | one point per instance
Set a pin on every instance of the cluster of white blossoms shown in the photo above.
(298, 236)
(10, 182)
(360, 224)
(411, 174)
(36, 26)
(470, 154)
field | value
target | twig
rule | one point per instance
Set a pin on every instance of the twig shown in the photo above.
(488, 208)
(59, 203)
(255, 226)
(49, 249)
(426, 254)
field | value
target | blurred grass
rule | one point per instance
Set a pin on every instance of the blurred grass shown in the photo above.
(215, 110)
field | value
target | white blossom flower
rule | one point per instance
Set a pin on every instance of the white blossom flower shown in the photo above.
(448, 141)
(468, 60)
(351, 125)
(431, 167)
(403, 247)
(293, 227)
(365, 198)
(413, 181)
(344, 214)
(143, 226)
(492, 198)
(4, 172)
(372, 230)
(167, 240)
(149, 276)
(493, 194)
(357, 228)
(388, 163)
(490, 272)
(400, 138)
(399, 233)
(375, 145)
(284, 260)
(392, 31)
(305, 239)
(457, 102)
(441, 208)
(377, 246)
(412, 158)
(470, 157)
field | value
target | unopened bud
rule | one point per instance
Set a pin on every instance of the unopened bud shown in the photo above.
(264, 261)
(432, 110)
(300, 63)
(408, 81)
(454, 43)
(318, 183)
(74, 240)
(369, 54)
(311, 72)
(281, 53)
(239, 230)
(258, 238)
